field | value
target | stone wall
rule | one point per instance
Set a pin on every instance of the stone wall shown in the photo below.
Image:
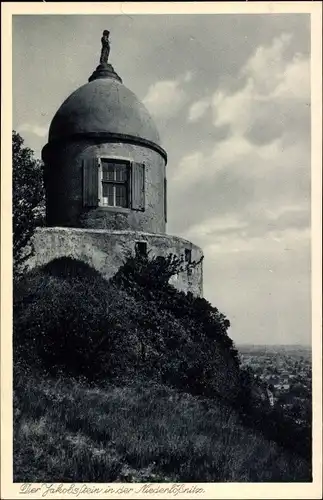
(65, 187)
(107, 250)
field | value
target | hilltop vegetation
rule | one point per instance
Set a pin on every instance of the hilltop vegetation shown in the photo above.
(132, 380)
(69, 319)
(28, 200)
(68, 431)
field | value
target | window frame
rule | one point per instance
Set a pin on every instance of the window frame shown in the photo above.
(188, 255)
(139, 246)
(127, 183)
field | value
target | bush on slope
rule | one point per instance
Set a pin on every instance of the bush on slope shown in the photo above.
(70, 319)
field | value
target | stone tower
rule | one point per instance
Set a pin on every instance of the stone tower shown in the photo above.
(105, 181)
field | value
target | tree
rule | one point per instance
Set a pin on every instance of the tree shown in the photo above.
(28, 204)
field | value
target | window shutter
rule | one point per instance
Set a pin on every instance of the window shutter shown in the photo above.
(138, 186)
(165, 198)
(90, 182)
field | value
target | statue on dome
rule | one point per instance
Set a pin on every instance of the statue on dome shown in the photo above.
(105, 51)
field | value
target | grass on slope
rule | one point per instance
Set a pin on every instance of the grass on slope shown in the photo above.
(66, 431)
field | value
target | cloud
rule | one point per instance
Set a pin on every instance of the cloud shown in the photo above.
(233, 232)
(189, 167)
(271, 107)
(165, 98)
(275, 97)
(276, 242)
(33, 129)
(197, 110)
(216, 226)
(250, 192)
(187, 77)
(295, 82)
(267, 64)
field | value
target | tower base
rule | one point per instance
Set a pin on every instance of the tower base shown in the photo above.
(107, 250)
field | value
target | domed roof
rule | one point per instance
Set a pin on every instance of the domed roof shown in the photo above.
(104, 106)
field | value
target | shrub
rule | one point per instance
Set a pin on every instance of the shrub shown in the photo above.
(69, 318)
(27, 201)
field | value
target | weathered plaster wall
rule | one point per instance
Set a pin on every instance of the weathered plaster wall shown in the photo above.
(65, 187)
(107, 250)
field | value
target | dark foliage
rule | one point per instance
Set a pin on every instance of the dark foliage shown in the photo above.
(71, 269)
(75, 321)
(148, 278)
(27, 200)
(68, 319)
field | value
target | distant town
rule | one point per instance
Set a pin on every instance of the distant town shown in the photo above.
(287, 373)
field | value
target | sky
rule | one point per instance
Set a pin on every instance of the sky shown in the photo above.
(230, 95)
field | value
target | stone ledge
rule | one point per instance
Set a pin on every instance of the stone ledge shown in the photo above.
(135, 234)
(106, 251)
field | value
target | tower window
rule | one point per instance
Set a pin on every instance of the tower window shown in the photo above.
(141, 248)
(114, 183)
(188, 255)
